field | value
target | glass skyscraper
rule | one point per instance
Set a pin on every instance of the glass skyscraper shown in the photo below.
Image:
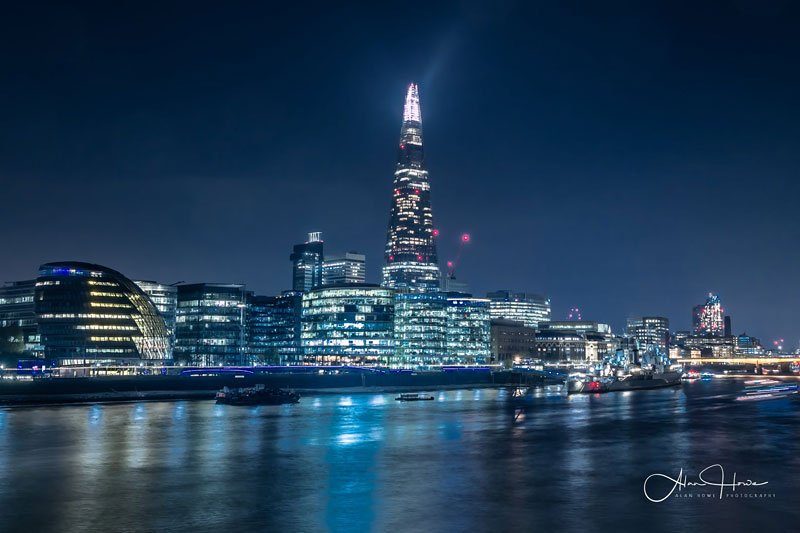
(307, 260)
(411, 260)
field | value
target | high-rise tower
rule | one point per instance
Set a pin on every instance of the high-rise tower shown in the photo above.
(411, 262)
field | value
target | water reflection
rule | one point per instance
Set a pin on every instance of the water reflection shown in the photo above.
(365, 462)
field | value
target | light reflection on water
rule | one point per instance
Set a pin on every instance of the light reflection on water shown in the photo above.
(366, 462)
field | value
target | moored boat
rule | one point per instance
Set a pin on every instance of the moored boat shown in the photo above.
(414, 397)
(258, 395)
(624, 372)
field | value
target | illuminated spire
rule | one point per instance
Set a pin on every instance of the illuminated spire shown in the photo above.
(411, 112)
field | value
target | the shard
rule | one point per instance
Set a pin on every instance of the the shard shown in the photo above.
(411, 262)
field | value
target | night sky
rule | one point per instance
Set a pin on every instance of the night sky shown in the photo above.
(625, 158)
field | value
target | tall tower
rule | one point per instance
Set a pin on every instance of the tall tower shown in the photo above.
(411, 262)
(307, 260)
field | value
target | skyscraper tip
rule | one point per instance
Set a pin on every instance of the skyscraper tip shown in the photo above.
(411, 111)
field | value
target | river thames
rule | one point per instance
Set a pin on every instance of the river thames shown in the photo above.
(365, 462)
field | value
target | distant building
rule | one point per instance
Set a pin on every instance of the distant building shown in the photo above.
(577, 325)
(347, 268)
(727, 326)
(165, 298)
(707, 318)
(19, 332)
(679, 337)
(451, 284)
(348, 324)
(710, 345)
(650, 331)
(560, 345)
(468, 333)
(512, 342)
(307, 260)
(420, 328)
(273, 329)
(745, 345)
(209, 327)
(530, 309)
(91, 314)
(574, 340)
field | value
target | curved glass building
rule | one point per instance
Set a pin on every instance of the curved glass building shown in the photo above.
(90, 313)
(348, 324)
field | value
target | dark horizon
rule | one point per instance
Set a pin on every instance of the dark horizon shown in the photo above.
(625, 159)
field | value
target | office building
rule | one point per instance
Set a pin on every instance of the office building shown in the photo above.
(581, 326)
(530, 309)
(344, 269)
(307, 260)
(19, 333)
(560, 345)
(273, 329)
(711, 345)
(90, 314)
(348, 324)
(411, 259)
(420, 329)
(512, 342)
(650, 331)
(468, 334)
(745, 345)
(209, 328)
(165, 298)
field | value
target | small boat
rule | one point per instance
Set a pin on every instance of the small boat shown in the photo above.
(414, 397)
(258, 395)
(690, 375)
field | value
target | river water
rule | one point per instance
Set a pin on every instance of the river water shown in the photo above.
(364, 462)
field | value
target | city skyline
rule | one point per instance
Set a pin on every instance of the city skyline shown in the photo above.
(583, 224)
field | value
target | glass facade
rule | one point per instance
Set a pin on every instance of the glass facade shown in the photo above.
(19, 333)
(273, 329)
(89, 313)
(420, 329)
(348, 324)
(209, 327)
(165, 298)
(348, 268)
(411, 260)
(468, 331)
(530, 309)
(307, 260)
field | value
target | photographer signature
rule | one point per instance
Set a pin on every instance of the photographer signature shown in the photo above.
(704, 479)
